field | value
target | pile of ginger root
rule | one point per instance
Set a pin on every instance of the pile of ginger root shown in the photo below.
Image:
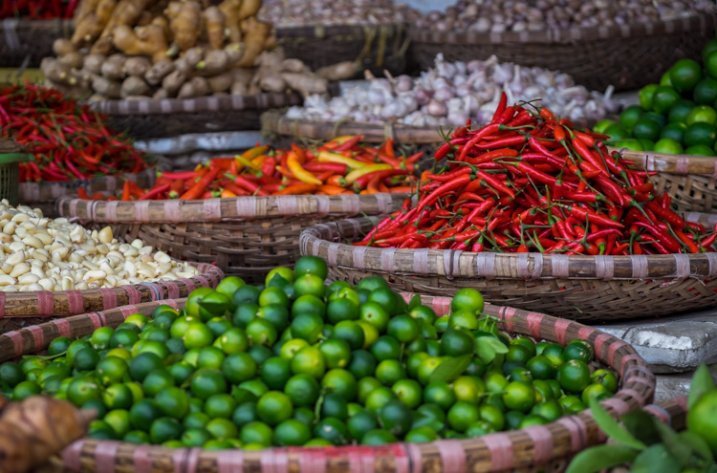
(139, 49)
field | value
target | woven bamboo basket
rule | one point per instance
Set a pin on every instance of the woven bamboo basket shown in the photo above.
(150, 118)
(690, 180)
(25, 42)
(45, 195)
(375, 47)
(274, 123)
(626, 57)
(584, 288)
(19, 309)
(245, 236)
(542, 448)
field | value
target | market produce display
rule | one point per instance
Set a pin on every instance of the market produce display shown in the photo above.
(33, 430)
(541, 15)
(301, 362)
(37, 9)
(288, 13)
(340, 166)
(644, 443)
(164, 49)
(451, 93)
(42, 254)
(68, 141)
(530, 182)
(675, 116)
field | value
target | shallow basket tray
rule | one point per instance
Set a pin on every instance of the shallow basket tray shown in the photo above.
(19, 309)
(627, 57)
(275, 123)
(584, 288)
(150, 118)
(29, 40)
(539, 448)
(244, 236)
(376, 47)
(44, 195)
(690, 180)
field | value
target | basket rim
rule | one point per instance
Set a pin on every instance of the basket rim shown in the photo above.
(216, 210)
(319, 31)
(320, 240)
(637, 384)
(276, 122)
(670, 163)
(573, 36)
(211, 103)
(42, 302)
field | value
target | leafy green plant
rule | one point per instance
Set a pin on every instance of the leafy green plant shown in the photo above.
(646, 445)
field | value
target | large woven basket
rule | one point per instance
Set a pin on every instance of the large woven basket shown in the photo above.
(171, 117)
(585, 288)
(18, 309)
(245, 236)
(25, 42)
(275, 123)
(44, 195)
(690, 180)
(627, 57)
(542, 448)
(375, 47)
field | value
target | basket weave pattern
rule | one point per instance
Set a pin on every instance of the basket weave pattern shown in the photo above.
(579, 287)
(627, 57)
(29, 39)
(541, 448)
(246, 236)
(171, 117)
(690, 180)
(26, 308)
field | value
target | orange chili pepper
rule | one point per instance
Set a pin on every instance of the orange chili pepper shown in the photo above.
(293, 162)
(332, 190)
(297, 189)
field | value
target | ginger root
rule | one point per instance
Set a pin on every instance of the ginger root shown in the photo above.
(142, 41)
(256, 34)
(34, 430)
(230, 9)
(214, 23)
(185, 23)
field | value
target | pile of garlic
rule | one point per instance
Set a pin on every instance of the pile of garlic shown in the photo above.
(450, 93)
(44, 254)
(292, 13)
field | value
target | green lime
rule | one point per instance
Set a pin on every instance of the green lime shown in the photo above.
(173, 402)
(195, 437)
(605, 377)
(403, 328)
(679, 111)
(337, 353)
(207, 382)
(700, 134)
(309, 284)
(334, 406)
(700, 150)
(275, 372)
(117, 396)
(307, 326)
(118, 420)
(156, 381)
(711, 64)
(229, 285)
(646, 95)
(165, 429)
(143, 413)
(11, 374)
(303, 390)
(363, 364)
(574, 376)
(702, 114)
(541, 368)
(261, 332)
(274, 407)
(519, 396)
(378, 398)
(602, 125)
(630, 116)
(136, 437)
(245, 413)
(705, 92)
(457, 342)
(256, 433)
(469, 388)
(25, 389)
(377, 437)
(467, 299)
(674, 132)
(220, 406)
(409, 392)
(616, 132)
(462, 414)
(685, 74)
(196, 420)
(333, 431)
(361, 423)
(353, 333)
(595, 391)
(291, 432)
(647, 129)
(439, 393)
(342, 309)
(82, 390)
(197, 335)
(374, 314)
(395, 417)
(664, 99)
(386, 348)
(311, 265)
(210, 357)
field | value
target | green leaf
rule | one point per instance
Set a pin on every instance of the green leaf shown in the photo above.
(655, 459)
(498, 346)
(642, 425)
(612, 428)
(681, 451)
(414, 302)
(697, 444)
(702, 382)
(488, 347)
(450, 369)
(599, 458)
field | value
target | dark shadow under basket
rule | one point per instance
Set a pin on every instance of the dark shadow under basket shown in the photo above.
(376, 47)
(244, 236)
(171, 117)
(538, 448)
(18, 309)
(690, 180)
(30, 40)
(45, 195)
(585, 288)
(627, 57)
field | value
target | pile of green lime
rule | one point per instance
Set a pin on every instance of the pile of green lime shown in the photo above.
(302, 362)
(676, 116)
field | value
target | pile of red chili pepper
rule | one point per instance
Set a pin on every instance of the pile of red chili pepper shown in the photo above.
(340, 166)
(38, 9)
(529, 182)
(68, 140)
